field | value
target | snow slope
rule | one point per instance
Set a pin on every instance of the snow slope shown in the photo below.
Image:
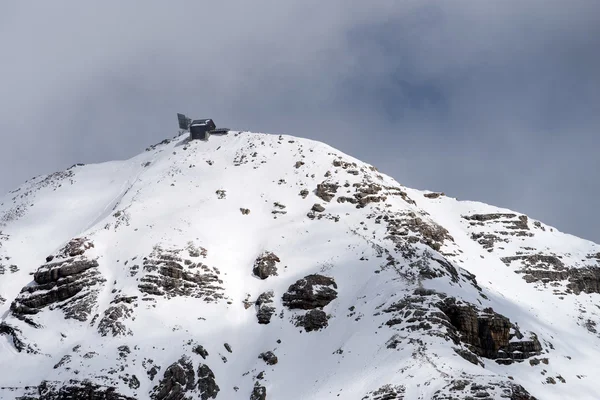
(126, 280)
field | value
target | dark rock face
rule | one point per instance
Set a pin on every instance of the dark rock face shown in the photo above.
(312, 291)
(304, 193)
(326, 191)
(168, 274)
(200, 350)
(264, 307)
(488, 334)
(544, 268)
(112, 323)
(266, 265)
(179, 382)
(407, 227)
(484, 333)
(386, 392)
(467, 389)
(365, 193)
(74, 390)
(72, 281)
(504, 228)
(313, 320)
(207, 384)
(178, 379)
(259, 393)
(433, 195)
(269, 357)
(317, 208)
(16, 336)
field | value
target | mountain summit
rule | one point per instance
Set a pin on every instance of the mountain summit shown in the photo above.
(257, 266)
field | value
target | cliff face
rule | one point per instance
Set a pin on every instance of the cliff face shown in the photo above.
(258, 266)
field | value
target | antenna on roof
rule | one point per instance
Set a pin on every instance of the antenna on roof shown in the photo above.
(184, 122)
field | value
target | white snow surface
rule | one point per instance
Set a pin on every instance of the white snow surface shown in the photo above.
(166, 198)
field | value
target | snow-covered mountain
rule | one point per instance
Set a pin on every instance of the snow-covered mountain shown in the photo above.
(257, 266)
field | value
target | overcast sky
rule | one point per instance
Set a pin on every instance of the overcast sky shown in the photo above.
(495, 101)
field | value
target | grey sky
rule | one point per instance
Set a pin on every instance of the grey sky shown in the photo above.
(496, 101)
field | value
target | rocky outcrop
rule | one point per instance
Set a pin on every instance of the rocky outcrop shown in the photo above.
(265, 265)
(113, 320)
(259, 392)
(487, 333)
(386, 392)
(317, 208)
(264, 307)
(179, 382)
(407, 227)
(170, 273)
(326, 191)
(178, 379)
(17, 338)
(475, 389)
(543, 268)
(484, 333)
(269, 357)
(70, 284)
(313, 320)
(73, 389)
(207, 385)
(312, 291)
(201, 351)
(497, 227)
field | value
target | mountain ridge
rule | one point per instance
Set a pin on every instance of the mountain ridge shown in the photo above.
(296, 256)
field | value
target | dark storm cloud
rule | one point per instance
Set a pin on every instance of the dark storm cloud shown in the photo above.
(490, 101)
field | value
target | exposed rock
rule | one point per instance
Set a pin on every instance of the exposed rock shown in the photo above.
(207, 384)
(177, 380)
(298, 164)
(168, 275)
(269, 357)
(245, 211)
(200, 350)
(74, 390)
(134, 382)
(258, 393)
(406, 226)
(492, 389)
(485, 333)
(344, 164)
(266, 265)
(433, 195)
(264, 308)
(317, 208)
(312, 291)
(304, 193)
(313, 320)
(326, 191)
(221, 194)
(227, 347)
(549, 268)
(17, 340)
(69, 284)
(488, 333)
(112, 323)
(386, 392)
(62, 269)
(63, 361)
(487, 240)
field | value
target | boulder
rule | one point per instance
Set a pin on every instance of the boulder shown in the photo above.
(312, 291)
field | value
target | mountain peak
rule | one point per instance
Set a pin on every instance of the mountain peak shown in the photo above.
(254, 265)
